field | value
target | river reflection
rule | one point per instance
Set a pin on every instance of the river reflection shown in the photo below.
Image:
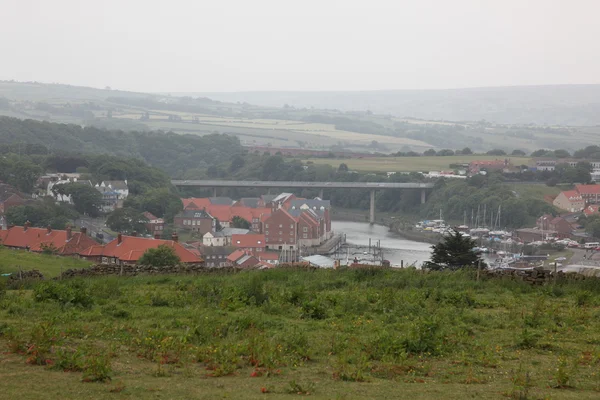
(396, 249)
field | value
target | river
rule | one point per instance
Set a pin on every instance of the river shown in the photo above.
(396, 249)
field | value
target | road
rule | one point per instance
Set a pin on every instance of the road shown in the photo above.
(95, 226)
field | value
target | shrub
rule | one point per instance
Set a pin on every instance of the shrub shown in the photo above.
(75, 293)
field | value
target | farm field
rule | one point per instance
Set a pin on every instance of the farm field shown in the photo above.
(345, 334)
(11, 261)
(410, 164)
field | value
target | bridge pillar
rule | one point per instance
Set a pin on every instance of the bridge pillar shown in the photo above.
(423, 196)
(321, 194)
(214, 192)
(372, 208)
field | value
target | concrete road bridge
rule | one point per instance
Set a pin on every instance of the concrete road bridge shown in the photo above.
(372, 186)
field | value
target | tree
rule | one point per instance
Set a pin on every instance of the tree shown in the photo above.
(561, 153)
(540, 153)
(466, 150)
(343, 167)
(86, 199)
(445, 152)
(160, 202)
(162, 256)
(455, 251)
(239, 222)
(518, 152)
(127, 220)
(496, 152)
(430, 152)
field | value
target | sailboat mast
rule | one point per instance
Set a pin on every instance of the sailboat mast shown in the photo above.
(484, 214)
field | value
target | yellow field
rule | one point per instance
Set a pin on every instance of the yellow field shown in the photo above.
(410, 164)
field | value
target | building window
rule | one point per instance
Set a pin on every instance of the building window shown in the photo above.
(305, 236)
(305, 229)
(281, 226)
(280, 232)
(267, 232)
(291, 226)
(267, 226)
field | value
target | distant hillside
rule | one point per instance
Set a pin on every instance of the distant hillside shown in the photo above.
(574, 105)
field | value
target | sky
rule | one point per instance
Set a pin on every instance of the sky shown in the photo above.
(308, 45)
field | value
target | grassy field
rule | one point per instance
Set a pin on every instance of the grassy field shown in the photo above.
(376, 334)
(410, 164)
(12, 261)
(537, 191)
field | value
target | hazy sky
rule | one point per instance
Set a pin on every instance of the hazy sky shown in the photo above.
(235, 45)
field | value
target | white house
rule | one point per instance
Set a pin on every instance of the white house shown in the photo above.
(65, 198)
(223, 237)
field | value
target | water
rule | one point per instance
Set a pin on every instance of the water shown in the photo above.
(396, 249)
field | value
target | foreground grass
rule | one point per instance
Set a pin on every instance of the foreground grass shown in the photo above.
(280, 333)
(11, 261)
(410, 164)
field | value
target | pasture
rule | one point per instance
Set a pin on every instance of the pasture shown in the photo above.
(284, 333)
(410, 164)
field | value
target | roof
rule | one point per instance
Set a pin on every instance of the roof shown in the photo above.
(35, 239)
(236, 255)
(218, 250)
(131, 248)
(251, 202)
(190, 213)
(117, 185)
(195, 203)
(314, 204)
(7, 191)
(223, 201)
(572, 195)
(591, 209)
(248, 240)
(282, 197)
(556, 220)
(149, 215)
(588, 189)
(267, 198)
(234, 231)
(267, 256)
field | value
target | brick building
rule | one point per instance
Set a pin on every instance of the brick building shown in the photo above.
(569, 200)
(196, 221)
(155, 225)
(589, 193)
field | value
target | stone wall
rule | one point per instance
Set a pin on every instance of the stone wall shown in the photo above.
(133, 270)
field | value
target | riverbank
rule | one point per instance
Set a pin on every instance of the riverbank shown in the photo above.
(398, 224)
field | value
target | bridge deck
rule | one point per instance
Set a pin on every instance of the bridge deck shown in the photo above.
(317, 185)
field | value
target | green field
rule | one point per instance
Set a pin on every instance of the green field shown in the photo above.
(346, 334)
(410, 164)
(11, 261)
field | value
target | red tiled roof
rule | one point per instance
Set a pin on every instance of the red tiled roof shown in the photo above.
(248, 240)
(587, 189)
(37, 238)
(131, 248)
(236, 255)
(196, 203)
(149, 215)
(572, 195)
(267, 256)
(591, 209)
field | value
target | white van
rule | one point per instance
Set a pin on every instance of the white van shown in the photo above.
(591, 245)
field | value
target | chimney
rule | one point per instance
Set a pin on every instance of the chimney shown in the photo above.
(134, 233)
(69, 231)
(83, 230)
(119, 238)
(157, 235)
(26, 225)
(49, 229)
(175, 237)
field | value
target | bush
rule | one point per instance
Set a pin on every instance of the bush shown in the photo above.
(76, 293)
